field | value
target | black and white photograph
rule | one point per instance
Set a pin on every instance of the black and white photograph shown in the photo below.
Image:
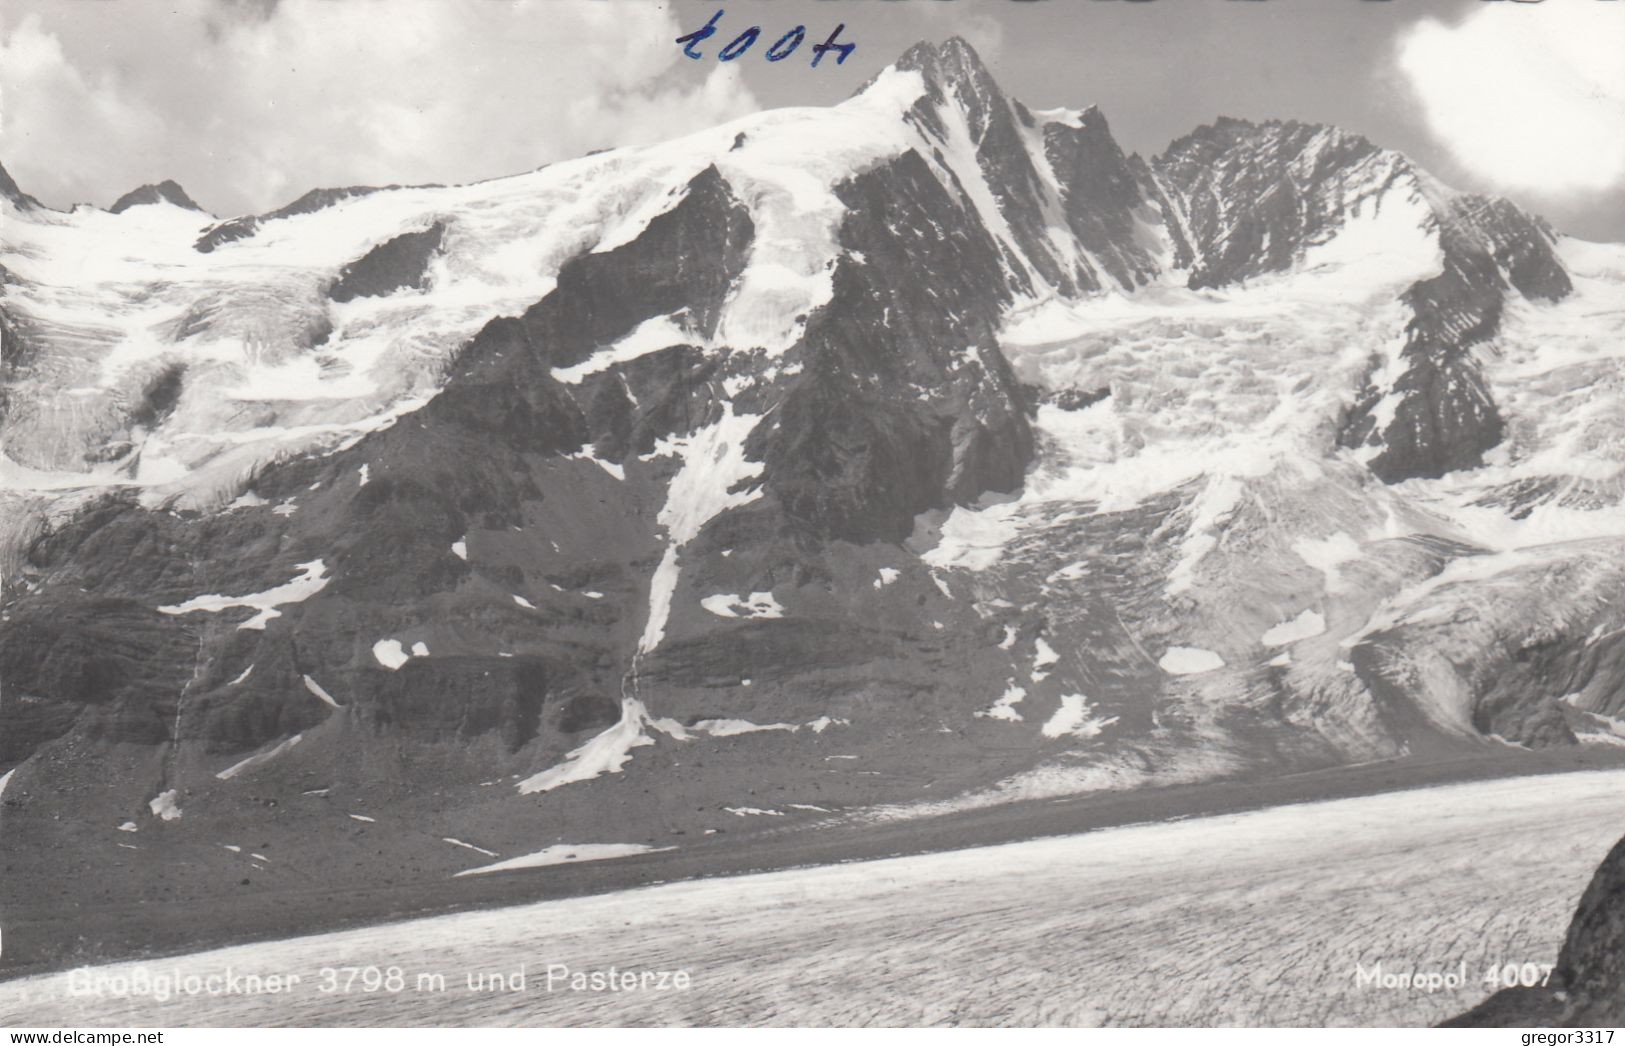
(812, 514)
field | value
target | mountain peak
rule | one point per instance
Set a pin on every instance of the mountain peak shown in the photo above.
(163, 192)
(949, 64)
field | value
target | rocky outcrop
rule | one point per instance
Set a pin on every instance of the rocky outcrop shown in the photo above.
(684, 262)
(1443, 417)
(393, 265)
(1256, 196)
(906, 402)
(10, 190)
(964, 110)
(1042, 171)
(1587, 988)
(19, 345)
(163, 192)
(232, 229)
(1592, 963)
(1105, 201)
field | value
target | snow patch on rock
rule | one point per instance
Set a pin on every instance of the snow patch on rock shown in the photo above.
(710, 481)
(1306, 625)
(1005, 707)
(606, 753)
(566, 852)
(1328, 555)
(165, 805)
(1043, 659)
(390, 653)
(316, 689)
(1189, 661)
(1075, 718)
(311, 579)
(758, 604)
(735, 727)
(469, 846)
(258, 759)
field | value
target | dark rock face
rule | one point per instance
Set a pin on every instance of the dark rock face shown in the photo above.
(674, 392)
(100, 663)
(163, 192)
(1592, 963)
(1445, 418)
(227, 231)
(901, 402)
(1257, 195)
(895, 401)
(1587, 989)
(1588, 666)
(10, 190)
(17, 348)
(462, 698)
(960, 90)
(685, 260)
(536, 415)
(1098, 195)
(1077, 399)
(906, 402)
(159, 396)
(391, 266)
(1103, 197)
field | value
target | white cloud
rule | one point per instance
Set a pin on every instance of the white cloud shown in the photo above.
(1528, 96)
(248, 105)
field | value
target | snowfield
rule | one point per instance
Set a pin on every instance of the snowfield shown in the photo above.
(1256, 918)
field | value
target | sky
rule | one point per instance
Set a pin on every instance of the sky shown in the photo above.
(249, 103)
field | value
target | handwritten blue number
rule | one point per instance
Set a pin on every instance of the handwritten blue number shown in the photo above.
(782, 48)
(819, 50)
(688, 40)
(774, 54)
(740, 45)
